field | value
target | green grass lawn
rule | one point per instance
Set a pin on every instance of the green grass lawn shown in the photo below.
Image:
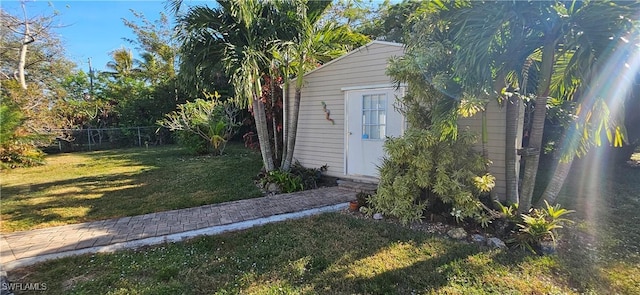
(327, 254)
(80, 187)
(603, 252)
(340, 254)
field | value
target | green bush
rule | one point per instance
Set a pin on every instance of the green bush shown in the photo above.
(213, 120)
(309, 176)
(421, 171)
(287, 182)
(17, 147)
(298, 179)
(539, 226)
(20, 154)
(194, 143)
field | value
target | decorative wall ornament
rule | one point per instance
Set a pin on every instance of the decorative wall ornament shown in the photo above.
(327, 113)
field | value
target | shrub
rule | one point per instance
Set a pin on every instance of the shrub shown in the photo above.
(298, 179)
(213, 120)
(421, 171)
(539, 226)
(17, 147)
(194, 143)
(310, 176)
(287, 182)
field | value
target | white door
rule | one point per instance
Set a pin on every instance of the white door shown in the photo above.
(371, 118)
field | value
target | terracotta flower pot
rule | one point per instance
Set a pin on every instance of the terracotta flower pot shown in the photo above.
(354, 206)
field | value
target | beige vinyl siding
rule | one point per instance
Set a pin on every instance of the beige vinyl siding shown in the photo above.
(319, 142)
(496, 131)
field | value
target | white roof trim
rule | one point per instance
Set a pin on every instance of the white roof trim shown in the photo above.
(354, 51)
(386, 43)
(379, 86)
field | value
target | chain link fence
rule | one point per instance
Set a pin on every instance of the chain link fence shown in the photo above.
(89, 139)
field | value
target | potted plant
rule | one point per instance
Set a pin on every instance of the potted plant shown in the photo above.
(360, 201)
(354, 206)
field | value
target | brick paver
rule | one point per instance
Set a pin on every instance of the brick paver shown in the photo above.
(32, 243)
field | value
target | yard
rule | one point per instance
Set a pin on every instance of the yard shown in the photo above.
(603, 252)
(476, 46)
(330, 254)
(81, 187)
(341, 254)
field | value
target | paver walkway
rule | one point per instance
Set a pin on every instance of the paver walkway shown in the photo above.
(25, 247)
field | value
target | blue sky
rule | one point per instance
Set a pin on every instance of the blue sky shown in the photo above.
(91, 29)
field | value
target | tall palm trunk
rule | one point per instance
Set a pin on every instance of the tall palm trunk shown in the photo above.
(263, 134)
(274, 122)
(532, 153)
(556, 182)
(286, 102)
(292, 130)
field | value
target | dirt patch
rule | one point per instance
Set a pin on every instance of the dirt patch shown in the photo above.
(437, 228)
(72, 282)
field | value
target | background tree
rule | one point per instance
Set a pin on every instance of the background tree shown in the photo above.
(24, 32)
(141, 90)
(78, 109)
(393, 21)
(44, 66)
(355, 14)
(122, 64)
(157, 45)
(30, 80)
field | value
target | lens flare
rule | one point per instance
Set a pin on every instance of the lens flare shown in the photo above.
(607, 93)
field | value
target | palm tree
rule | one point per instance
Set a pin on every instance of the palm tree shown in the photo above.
(149, 67)
(309, 46)
(599, 103)
(497, 37)
(247, 40)
(493, 48)
(237, 35)
(122, 65)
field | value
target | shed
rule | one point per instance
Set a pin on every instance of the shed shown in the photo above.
(347, 111)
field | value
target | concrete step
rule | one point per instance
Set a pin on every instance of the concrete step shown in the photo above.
(357, 186)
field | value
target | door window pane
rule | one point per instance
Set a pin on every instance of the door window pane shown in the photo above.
(374, 116)
(366, 103)
(382, 102)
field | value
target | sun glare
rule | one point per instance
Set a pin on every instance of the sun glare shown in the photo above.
(612, 86)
